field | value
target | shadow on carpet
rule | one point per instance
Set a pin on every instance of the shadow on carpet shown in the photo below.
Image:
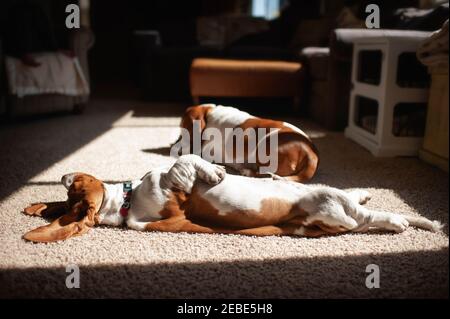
(322, 277)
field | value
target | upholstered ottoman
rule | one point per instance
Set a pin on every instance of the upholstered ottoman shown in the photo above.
(246, 78)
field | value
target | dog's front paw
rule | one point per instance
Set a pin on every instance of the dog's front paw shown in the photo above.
(35, 209)
(212, 174)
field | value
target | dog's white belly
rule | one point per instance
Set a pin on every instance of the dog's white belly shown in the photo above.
(246, 193)
(149, 198)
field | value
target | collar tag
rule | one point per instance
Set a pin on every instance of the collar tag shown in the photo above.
(127, 190)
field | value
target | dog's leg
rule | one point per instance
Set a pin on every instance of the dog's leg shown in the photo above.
(293, 227)
(262, 231)
(367, 218)
(316, 231)
(183, 174)
(335, 208)
(54, 209)
(284, 230)
(393, 222)
(359, 196)
(328, 208)
(377, 219)
(176, 223)
(181, 224)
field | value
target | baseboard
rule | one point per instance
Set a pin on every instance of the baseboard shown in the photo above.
(434, 159)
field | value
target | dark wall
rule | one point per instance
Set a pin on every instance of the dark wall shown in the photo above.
(113, 23)
(54, 9)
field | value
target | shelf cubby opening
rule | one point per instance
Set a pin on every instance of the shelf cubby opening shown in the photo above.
(369, 66)
(411, 73)
(366, 113)
(409, 119)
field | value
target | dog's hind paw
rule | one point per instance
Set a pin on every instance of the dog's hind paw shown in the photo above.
(397, 223)
(212, 174)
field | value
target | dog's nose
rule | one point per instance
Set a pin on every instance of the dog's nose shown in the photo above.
(67, 180)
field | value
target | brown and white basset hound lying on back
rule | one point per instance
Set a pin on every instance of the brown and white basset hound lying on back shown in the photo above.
(297, 157)
(194, 195)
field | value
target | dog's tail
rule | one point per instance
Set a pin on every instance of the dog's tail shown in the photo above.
(424, 223)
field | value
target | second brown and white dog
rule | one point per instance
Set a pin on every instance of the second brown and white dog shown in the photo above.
(296, 156)
(194, 195)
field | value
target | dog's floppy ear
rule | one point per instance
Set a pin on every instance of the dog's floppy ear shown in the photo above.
(68, 179)
(76, 222)
(195, 113)
(85, 198)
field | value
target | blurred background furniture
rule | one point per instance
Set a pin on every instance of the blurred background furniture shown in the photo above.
(80, 41)
(246, 78)
(329, 68)
(434, 54)
(435, 144)
(167, 62)
(389, 93)
(318, 34)
(232, 34)
(128, 57)
(2, 82)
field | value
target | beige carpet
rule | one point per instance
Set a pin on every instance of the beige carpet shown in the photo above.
(118, 140)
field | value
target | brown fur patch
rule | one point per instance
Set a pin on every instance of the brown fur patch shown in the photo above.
(297, 155)
(172, 207)
(191, 114)
(273, 211)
